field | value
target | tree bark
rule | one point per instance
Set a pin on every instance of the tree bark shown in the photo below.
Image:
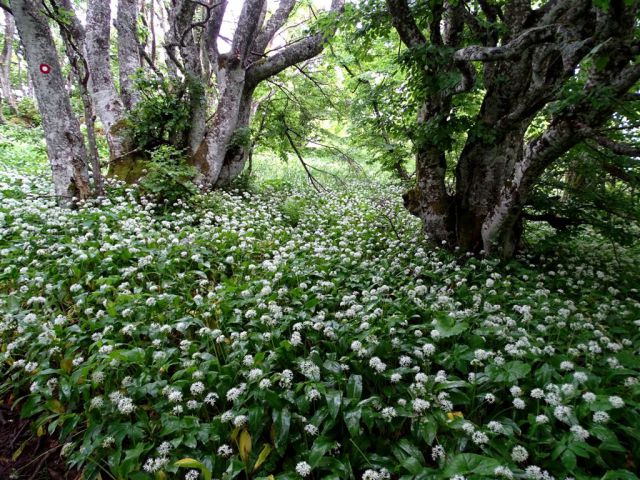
(5, 63)
(106, 100)
(65, 145)
(3, 120)
(128, 50)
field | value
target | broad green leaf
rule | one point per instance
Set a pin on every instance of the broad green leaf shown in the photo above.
(334, 399)
(352, 420)
(465, 463)
(282, 423)
(354, 387)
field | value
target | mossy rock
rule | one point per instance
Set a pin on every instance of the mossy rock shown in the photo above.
(21, 121)
(129, 169)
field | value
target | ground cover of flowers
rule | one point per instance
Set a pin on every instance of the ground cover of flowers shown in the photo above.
(281, 334)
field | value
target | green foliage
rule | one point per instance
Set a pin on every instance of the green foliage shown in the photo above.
(252, 331)
(292, 210)
(162, 117)
(28, 110)
(168, 177)
(23, 149)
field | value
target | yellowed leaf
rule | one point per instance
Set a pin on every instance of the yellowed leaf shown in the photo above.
(66, 364)
(56, 406)
(452, 415)
(244, 446)
(264, 453)
(19, 451)
(40, 431)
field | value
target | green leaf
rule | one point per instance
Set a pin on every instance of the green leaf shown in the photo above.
(509, 372)
(193, 463)
(569, 460)
(405, 449)
(412, 465)
(354, 387)
(282, 424)
(466, 463)
(428, 430)
(352, 420)
(334, 400)
(620, 475)
(448, 326)
(320, 447)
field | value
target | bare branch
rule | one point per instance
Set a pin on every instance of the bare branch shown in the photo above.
(209, 12)
(317, 185)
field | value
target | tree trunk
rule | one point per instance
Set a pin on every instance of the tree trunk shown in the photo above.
(3, 121)
(211, 155)
(5, 64)
(152, 30)
(481, 172)
(128, 50)
(221, 156)
(237, 154)
(106, 100)
(65, 145)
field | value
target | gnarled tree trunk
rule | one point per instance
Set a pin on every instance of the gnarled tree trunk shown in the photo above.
(539, 51)
(65, 145)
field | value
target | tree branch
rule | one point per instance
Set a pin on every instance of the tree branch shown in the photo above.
(557, 222)
(213, 32)
(275, 23)
(246, 30)
(509, 51)
(619, 148)
(300, 51)
(317, 185)
(403, 21)
(209, 12)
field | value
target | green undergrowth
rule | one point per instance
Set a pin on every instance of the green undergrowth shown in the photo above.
(280, 333)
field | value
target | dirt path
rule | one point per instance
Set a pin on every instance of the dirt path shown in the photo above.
(24, 455)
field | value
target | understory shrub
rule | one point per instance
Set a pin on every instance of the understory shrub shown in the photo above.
(168, 176)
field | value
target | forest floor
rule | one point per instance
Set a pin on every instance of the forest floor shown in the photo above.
(26, 456)
(272, 332)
